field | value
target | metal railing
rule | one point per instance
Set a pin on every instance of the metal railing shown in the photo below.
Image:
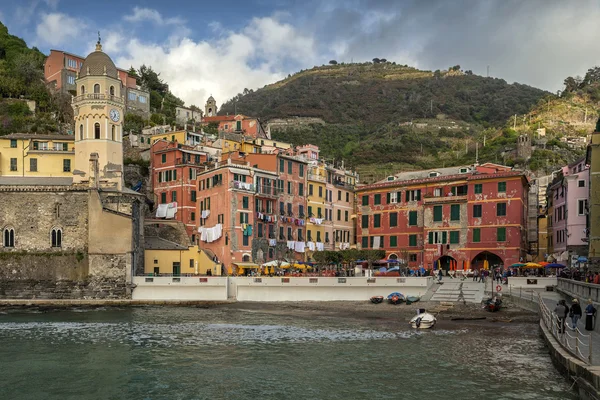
(242, 186)
(98, 96)
(572, 339)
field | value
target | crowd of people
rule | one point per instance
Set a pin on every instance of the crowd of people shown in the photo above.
(563, 311)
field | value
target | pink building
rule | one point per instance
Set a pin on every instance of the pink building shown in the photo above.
(568, 198)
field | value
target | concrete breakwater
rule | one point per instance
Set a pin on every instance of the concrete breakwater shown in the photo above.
(275, 288)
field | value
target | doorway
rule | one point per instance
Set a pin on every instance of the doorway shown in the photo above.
(176, 269)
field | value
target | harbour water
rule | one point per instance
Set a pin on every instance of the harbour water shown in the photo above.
(194, 353)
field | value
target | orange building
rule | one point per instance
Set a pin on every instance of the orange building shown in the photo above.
(230, 209)
(248, 126)
(174, 171)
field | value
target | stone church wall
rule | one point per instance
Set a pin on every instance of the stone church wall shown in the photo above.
(34, 269)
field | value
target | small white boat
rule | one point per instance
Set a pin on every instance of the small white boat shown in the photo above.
(423, 320)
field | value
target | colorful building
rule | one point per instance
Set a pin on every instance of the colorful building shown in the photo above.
(341, 183)
(163, 257)
(30, 155)
(568, 196)
(227, 213)
(459, 216)
(241, 124)
(174, 171)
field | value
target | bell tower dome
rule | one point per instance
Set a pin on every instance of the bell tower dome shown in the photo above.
(98, 110)
(210, 109)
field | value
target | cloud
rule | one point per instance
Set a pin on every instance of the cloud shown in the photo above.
(148, 14)
(57, 29)
(258, 54)
(537, 42)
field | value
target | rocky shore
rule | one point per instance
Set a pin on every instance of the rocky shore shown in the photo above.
(364, 310)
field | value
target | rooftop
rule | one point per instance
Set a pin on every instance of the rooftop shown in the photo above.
(36, 180)
(36, 136)
(157, 243)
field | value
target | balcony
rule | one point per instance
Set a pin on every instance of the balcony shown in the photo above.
(185, 161)
(316, 178)
(343, 185)
(248, 187)
(444, 199)
(268, 191)
(57, 150)
(98, 96)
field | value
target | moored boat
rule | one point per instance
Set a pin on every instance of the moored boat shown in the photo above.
(423, 320)
(376, 299)
(412, 299)
(396, 298)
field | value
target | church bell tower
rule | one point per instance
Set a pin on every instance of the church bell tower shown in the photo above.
(210, 109)
(98, 110)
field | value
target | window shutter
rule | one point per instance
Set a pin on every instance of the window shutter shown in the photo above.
(388, 196)
(444, 237)
(419, 194)
(430, 237)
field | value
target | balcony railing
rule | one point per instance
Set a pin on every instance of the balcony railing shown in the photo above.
(315, 177)
(98, 96)
(180, 161)
(268, 190)
(242, 186)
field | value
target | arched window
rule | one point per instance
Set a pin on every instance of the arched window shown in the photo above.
(81, 132)
(246, 258)
(112, 90)
(113, 133)
(8, 237)
(96, 130)
(96, 88)
(82, 89)
(56, 237)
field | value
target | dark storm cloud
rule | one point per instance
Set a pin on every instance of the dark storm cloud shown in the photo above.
(537, 42)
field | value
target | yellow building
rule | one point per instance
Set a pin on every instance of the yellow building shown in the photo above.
(230, 146)
(163, 257)
(270, 146)
(316, 201)
(30, 155)
(178, 136)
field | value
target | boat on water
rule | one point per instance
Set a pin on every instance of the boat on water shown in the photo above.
(412, 299)
(423, 320)
(396, 298)
(376, 299)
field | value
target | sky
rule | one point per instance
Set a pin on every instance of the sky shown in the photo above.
(202, 48)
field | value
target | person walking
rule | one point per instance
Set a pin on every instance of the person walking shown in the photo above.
(475, 275)
(590, 314)
(440, 275)
(561, 312)
(575, 313)
(482, 276)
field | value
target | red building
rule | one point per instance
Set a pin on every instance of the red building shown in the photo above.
(174, 170)
(458, 215)
(249, 126)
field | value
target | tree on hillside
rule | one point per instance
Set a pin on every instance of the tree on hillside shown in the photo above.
(376, 60)
(133, 72)
(333, 62)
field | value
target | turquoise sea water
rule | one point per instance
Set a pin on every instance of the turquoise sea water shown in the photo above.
(193, 353)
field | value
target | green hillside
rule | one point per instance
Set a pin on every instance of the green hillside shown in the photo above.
(382, 117)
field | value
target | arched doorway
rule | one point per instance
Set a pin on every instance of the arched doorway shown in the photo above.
(494, 261)
(246, 258)
(393, 256)
(444, 262)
